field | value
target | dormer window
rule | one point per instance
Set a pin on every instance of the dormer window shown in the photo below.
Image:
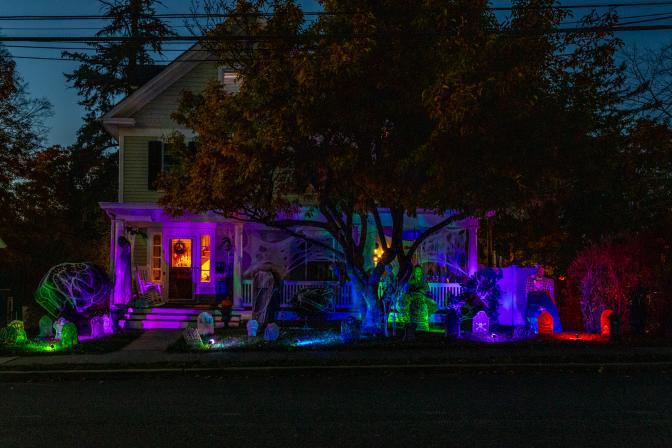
(229, 79)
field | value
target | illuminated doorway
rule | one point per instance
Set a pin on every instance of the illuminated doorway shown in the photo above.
(181, 281)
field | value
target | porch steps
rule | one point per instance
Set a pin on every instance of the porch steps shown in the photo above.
(166, 318)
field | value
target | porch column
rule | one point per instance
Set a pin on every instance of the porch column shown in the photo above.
(237, 265)
(472, 256)
(113, 245)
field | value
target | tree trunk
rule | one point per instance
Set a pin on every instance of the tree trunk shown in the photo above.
(367, 291)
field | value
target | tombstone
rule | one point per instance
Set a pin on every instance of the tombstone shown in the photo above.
(350, 330)
(97, 327)
(16, 333)
(272, 332)
(108, 324)
(58, 327)
(69, 336)
(481, 323)
(46, 327)
(268, 294)
(252, 327)
(205, 324)
(545, 323)
(605, 323)
(191, 337)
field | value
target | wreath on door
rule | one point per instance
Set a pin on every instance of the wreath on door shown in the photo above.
(179, 248)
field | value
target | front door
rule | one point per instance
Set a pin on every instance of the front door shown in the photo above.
(180, 279)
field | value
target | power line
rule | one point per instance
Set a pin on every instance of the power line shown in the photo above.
(313, 13)
(42, 47)
(261, 38)
(653, 16)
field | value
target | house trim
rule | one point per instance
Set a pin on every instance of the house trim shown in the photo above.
(120, 115)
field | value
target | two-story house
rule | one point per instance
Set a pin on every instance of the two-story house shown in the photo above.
(194, 259)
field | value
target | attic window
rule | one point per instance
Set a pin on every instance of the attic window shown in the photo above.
(229, 79)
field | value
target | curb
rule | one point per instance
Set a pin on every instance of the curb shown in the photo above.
(512, 367)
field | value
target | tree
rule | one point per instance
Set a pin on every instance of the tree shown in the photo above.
(21, 136)
(21, 130)
(392, 107)
(117, 67)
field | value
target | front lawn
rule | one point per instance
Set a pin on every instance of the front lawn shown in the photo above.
(86, 346)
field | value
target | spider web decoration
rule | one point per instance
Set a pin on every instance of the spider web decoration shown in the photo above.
(80, 285)
(283, 251)
(446, 249)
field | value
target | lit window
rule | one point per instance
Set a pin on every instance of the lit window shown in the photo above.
(205, 258)
(180, 253)
(156, 258)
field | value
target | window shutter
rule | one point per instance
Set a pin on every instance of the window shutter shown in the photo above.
(154, 163)
(168, 157)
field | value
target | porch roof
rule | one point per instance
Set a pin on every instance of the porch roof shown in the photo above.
(152, 212)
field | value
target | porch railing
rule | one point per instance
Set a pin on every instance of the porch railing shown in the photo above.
(441, 292)
(342, 293)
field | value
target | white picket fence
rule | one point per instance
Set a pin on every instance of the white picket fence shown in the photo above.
(441, 292)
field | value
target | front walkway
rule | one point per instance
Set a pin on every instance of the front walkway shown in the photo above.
(157, 340)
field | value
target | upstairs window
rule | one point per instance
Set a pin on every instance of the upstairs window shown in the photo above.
(229, 80)
(160, 158)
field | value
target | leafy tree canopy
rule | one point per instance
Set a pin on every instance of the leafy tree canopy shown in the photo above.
(119, 67)
(399, 107)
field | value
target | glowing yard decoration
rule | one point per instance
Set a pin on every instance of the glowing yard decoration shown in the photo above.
(14, 333)
(96, 324)
(481, 323)
(46, 327)
(205, 324)
(192, 338)
(69, 336)
(58, 328)
(272, 332)
(108, 325)
(80, 285)
(252, 327)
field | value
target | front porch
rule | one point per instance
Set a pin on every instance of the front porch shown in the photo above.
(169, 317)
(191, 263)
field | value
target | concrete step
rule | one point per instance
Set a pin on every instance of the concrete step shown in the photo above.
(169, 318)
(162, 325)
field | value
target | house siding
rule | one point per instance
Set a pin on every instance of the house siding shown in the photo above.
(140, 250)
(156, 114)
(135, 170)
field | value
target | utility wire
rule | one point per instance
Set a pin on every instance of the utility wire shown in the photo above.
(232, 37)
(316, 13)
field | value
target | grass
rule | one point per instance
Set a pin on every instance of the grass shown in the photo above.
(92, 346)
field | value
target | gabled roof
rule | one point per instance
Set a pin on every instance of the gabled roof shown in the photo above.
(121, 114)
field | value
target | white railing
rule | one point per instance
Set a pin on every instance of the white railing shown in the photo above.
(440, 292)
(342, 293)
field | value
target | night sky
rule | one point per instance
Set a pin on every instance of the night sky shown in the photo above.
(45, 78)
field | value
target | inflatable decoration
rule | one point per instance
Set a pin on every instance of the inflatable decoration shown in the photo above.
(76, 285)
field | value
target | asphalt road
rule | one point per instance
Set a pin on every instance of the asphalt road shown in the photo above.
(345, 409)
